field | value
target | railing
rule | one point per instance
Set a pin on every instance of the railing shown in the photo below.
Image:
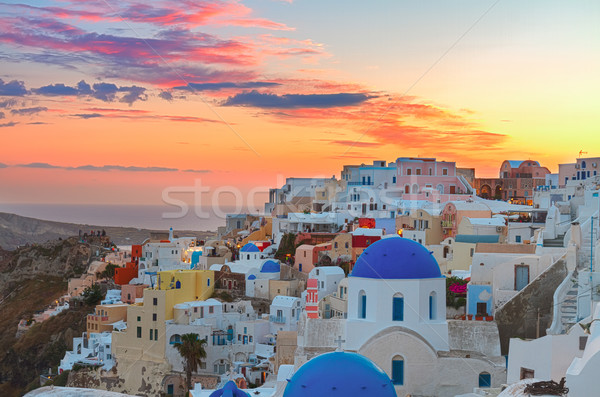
(361, 183)
(277, 319)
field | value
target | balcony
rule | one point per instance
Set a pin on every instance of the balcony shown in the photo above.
(277, 319)
(447, 224)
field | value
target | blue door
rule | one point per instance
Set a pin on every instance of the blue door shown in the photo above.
(521, 277)
(398, 371)
(485, 379)
(170, 390)
(398, 309)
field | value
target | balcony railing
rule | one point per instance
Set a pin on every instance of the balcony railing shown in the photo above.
(277, 319)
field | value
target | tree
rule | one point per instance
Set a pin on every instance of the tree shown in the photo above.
(92, 295)
(109, 271)
(191, 349)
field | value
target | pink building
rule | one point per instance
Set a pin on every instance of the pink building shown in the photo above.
(582, 169)
(417, 175)
(454, 211)
(307, 256)
(129, 292)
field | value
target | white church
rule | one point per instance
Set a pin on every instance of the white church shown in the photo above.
(397, 319)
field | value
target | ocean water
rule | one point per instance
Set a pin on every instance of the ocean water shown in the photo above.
(140, 216)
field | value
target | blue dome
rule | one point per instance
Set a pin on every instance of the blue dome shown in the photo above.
(339, 374)
(229, 390)
(396, 258)
(252, 277)
(249, 248)
(270, 267)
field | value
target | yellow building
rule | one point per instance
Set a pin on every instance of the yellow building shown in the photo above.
(104, 316)
(144, 338)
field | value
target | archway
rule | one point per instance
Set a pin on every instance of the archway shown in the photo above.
(485, 192)
(498, 192)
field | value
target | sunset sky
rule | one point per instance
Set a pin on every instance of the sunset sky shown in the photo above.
(105, 101)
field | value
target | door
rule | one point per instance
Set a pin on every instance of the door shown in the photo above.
(482, 309)
(521, 277)
(364, 208)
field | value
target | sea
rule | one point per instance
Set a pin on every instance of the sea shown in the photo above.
(156, 217)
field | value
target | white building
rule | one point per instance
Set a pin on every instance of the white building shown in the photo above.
(95, 350)
(284, 313)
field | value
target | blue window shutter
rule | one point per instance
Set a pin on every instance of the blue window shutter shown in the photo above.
(363, 313)
(398, 372)
(398, 309)
(430, 307)
(485, 380)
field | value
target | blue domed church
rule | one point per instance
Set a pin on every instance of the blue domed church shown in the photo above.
(396, 320)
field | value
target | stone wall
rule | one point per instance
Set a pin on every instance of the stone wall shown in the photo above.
(289, 273)
(474, 336)
(518, 318)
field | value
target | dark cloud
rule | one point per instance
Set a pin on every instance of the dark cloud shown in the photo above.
(107, 92)
(198, 171)
(87, 115)
(29, 111)
(223, 85)
(7, 104)
(38, 165)
(12, 88)
(1, 115)
(106, 168)
(293, 101)
(2, 165)
(9, 124)
(37, 123)
(56, 90)
(166, 95)
(122, 168)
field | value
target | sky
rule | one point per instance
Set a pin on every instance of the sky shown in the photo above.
(129, 102)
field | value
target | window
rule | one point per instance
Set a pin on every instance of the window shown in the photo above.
(409, 172)
(246, 328)
(430, 171)
(178, 285)
(239, 336)
(155, 301)
(398, 370)
(485, 379)
(208, 282)
(582, 342)
(250, 339)
(398, 307)
(472, 251)
(155, 334)
(393, 179)
(526, 373)
(139, 318)
(154, 315)
(139, 332)
(444, 171)
(346, 245)
(211, 309)
(362, 304)
(432, 305)
(151, 333)
(335, 245)
(518, 239)
(175, 339)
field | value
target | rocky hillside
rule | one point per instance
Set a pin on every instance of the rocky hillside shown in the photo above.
(31, 278)
(16, 230)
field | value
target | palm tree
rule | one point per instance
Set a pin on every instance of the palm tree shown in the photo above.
(191, 349)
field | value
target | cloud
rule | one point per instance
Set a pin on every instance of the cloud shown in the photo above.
(166, 95)
(2, 165)
(1, 115)
(87, 115)
(37, 123)
(107, 92)
(38, 165)
(28, 111)
(292, 101)
(107, 168)
(122, 168)
(223, 85)
(12, 88)
(356, 143)
(7, 104)
(197, 171)
(9, 124)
